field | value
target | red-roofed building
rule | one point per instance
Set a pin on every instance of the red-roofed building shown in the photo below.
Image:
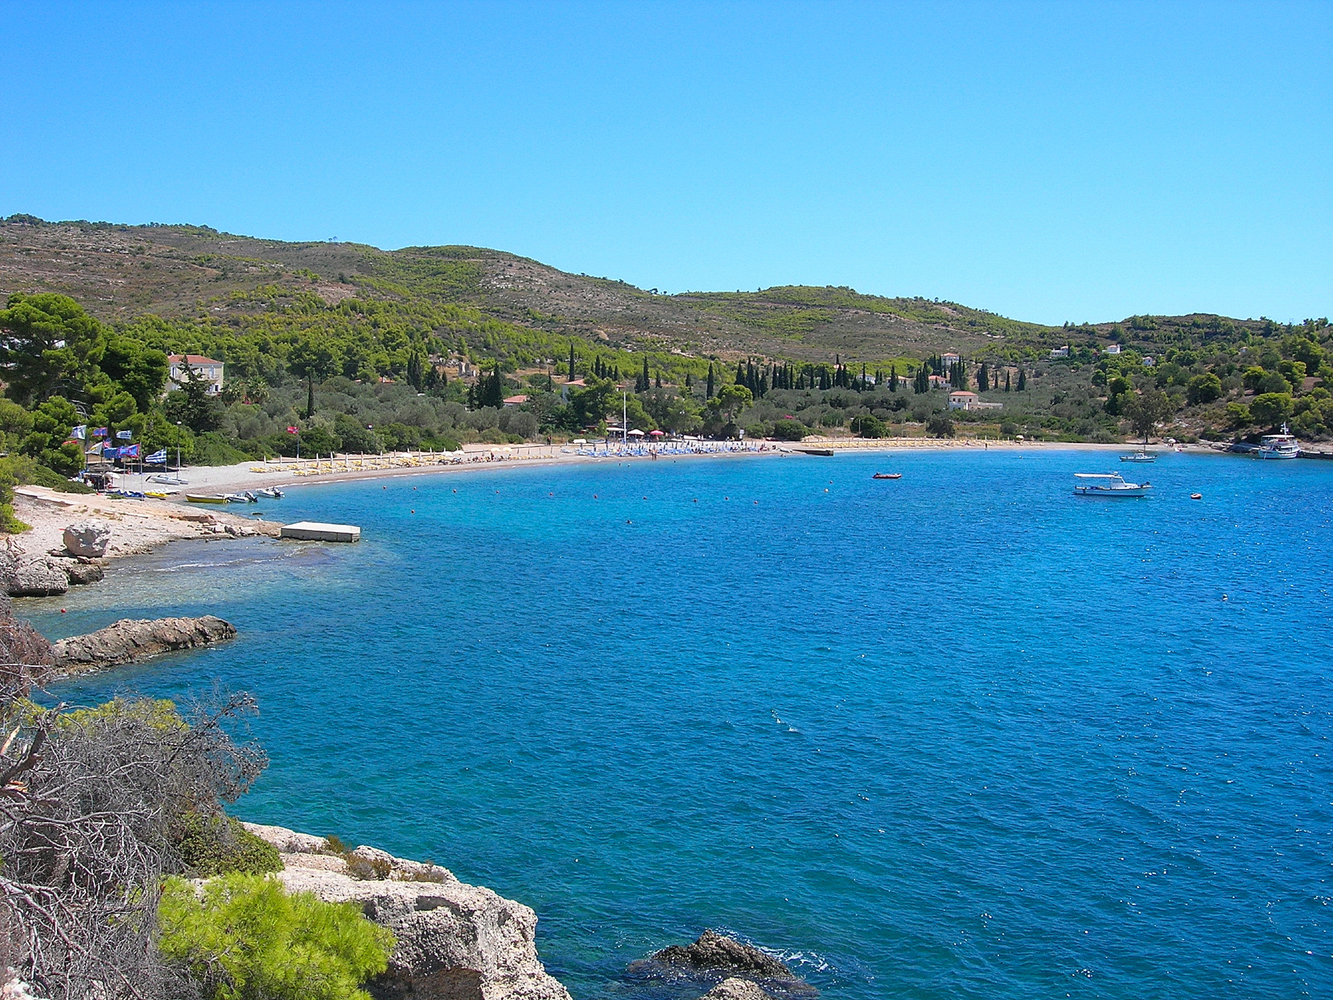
(518, 400)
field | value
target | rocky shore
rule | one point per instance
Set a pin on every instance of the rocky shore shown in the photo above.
(130, 640)
(73, 536)
(453, 941)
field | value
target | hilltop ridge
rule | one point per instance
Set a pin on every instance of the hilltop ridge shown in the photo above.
(122, 272)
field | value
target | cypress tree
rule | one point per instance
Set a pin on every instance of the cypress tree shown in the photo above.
(1022, 380)
(1006, 381)
(571, 361)
(688, 383)
(893, 378)
(659, 380)
(709, 393)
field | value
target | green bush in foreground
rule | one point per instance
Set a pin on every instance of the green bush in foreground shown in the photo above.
(219, 845)
(247, 939)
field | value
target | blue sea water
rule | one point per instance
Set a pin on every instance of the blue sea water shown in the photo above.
(959, 735)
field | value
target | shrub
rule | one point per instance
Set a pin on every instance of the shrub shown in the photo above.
(213, 448)
(869, 426)
(53, 480)
(940, 426)
(247, 939)
(789, 430)
(220, 845)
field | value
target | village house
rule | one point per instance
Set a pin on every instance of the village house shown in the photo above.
(964, 400)
(206, 368)
(518, 400)
(1060, 352)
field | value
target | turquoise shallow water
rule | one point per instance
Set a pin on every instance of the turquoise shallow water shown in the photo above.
(959, 735)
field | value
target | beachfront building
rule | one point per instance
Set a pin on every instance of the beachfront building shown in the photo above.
(206, 368)
(964, 400)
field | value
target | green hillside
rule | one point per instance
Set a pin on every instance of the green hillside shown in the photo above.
(418, 346)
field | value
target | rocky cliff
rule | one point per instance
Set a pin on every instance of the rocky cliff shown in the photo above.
(454, 941)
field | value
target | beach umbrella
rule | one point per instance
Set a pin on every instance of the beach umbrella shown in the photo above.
(636, 433)
(656, 434)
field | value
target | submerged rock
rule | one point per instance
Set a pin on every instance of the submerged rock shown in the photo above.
(88, 538)
(452, 941)
(716, 951)
(736, 989)
(128, 640)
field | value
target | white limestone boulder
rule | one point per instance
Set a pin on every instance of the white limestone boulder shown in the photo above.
(88, 538)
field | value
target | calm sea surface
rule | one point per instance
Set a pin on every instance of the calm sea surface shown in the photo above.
(958, 735)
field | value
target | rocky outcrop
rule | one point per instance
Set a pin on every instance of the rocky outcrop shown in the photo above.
(736, 989)
(453, 941)
(716, 951)
(36, 578)
(87, 538)
(81, 571)
(128, 640)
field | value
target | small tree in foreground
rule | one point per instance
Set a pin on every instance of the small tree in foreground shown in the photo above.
(247, 939)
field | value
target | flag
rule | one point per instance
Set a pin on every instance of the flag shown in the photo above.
(79, 433)
(293, 430)
(101, 432)
(124, 435)
(130, 451)
(157, 457)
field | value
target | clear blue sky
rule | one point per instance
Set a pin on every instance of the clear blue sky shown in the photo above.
(1049, 161)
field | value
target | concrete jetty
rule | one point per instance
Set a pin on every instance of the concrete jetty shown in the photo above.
(317, 532)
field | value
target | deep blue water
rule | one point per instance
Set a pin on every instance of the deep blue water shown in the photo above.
(959, 735)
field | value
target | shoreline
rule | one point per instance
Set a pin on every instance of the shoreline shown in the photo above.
(289, 473)
(142, 526)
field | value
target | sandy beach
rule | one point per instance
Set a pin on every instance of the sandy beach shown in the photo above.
(140, 526)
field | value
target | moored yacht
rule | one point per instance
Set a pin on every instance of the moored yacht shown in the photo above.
(1282, 445)
(1107, 484)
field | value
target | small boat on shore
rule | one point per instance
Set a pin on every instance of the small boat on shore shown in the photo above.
(270, 493)
(1108, 484)
(887, 475)
(201, 498)
(246, 497)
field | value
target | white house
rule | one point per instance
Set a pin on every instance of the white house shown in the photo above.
(206, 368)
(963, 400)
(1112, 348)
(1060, 352)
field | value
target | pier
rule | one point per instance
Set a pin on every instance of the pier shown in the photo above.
(316, 531)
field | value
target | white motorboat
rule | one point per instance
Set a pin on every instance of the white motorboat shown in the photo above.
(1282, 445)
(1140, 456)
(1107, 484)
